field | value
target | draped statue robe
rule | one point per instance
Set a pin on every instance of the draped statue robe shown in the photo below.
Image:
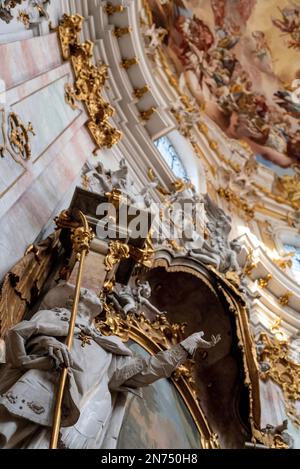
(103, 371)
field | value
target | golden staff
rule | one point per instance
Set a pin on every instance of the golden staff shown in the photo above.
(81, 240)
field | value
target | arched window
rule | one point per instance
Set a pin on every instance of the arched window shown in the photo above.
(295, 259)
(173, 160)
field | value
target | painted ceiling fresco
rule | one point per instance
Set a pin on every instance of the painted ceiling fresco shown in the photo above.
(241, 60)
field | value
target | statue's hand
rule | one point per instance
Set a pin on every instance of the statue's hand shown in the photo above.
(195, 341)
(192, 342)
(215, 340)
(61, 355)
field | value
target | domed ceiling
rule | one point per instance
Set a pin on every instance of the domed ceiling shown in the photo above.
(241, 61)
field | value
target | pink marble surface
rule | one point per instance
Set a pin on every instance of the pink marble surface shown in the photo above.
(29, 58)
(273, 409)
(23, 100)
(27, 217)
(94, 272)
(19, 92)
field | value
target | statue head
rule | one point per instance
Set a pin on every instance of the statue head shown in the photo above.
(145, 289)
(236, 246)
(62, 296)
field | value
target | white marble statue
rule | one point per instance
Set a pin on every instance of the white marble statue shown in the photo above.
(102, 181)
(217, 250)
(102, 370)
(131, 300)
(153, 37)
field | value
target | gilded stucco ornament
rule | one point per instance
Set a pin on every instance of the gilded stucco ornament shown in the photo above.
(112, 9)
(23, 17)
(235, 200)
(148, 113)
(34, 13)
(117, 252)
(250, 264)
(15, 137)
(288, 187)
(277, 365)
(70, 96)
(90, 80)
(119, 32)
(6, 7)
(263, 282)
(285, 299)
(140, 92)
(144, 257)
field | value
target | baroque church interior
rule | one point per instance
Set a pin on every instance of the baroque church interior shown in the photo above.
(150, 224)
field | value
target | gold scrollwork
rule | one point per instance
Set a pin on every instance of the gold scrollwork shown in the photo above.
(6, 9)
(140, 92)
(235, 200)
(70, 96)
(250, 264)
(64, 220)
(119, 32)
(146, 115)
(285, 299)
(23, 17)
(145, 256)
(288, 188)
(81, 238)
(263, 282)
(89, 81)
(16, 138)
(112, 9)
(117, 252)
(128, 63)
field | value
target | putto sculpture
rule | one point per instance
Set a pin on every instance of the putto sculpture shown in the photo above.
(131, 300)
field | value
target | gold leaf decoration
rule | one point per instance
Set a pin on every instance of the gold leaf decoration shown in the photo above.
(90, 79)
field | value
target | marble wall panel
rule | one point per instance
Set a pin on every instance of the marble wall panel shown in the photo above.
(22, 60)
(273, 409)
(23, 223)
(40, 101)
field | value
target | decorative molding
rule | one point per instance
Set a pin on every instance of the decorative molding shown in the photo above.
(89, 81)
(16, 138)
